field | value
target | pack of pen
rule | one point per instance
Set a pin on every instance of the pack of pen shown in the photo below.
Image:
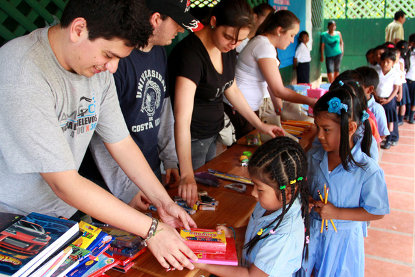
(231, 177)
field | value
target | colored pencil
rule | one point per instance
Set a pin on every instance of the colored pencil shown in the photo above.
(331, 221)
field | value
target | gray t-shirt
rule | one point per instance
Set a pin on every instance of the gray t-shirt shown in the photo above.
(47, 119)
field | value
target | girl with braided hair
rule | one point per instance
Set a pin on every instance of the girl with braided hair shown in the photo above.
(357, 190)
(274, 238)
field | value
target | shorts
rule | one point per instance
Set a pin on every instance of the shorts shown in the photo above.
(333, 63)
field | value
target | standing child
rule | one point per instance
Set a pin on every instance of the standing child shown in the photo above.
(356, 189)
(389, 83)
(302, 59)
(274, 238)
(402, 64)
(410, 78)
(370, 81)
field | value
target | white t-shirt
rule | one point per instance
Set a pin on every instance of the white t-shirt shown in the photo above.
(386, 82)
(302, 53)
(248, 76)
(410, 75)
(241, 46)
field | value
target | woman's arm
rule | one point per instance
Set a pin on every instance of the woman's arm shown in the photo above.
(238, 101)
(183, 108)
(322, 52)
(271, 73)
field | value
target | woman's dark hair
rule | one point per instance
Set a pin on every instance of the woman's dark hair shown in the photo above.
(353, 79)
(282, 18)
(281, 163)
(331, 22)
(262, 9)
(233, 13)
(347, 96)
(412, 38)
(403, 48)
(108, 19)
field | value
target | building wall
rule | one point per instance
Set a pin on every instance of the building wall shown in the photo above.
(359, 35)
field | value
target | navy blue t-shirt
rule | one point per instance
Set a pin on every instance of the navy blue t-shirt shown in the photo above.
(191, 60)
(141, 87)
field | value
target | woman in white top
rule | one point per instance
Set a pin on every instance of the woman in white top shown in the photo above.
(257, 67)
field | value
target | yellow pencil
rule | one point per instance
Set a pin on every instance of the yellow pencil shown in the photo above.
(322, 222)
(326, 195)
(322, 200)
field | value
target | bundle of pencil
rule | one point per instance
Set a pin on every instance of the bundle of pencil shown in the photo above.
(295, 128)
(326, 195)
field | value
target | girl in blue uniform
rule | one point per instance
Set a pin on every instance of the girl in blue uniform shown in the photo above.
(357, 189)
(274, 238)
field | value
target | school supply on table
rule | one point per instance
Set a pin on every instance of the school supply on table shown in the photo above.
(231, 177)
(253, 139)
(96, 267)
(182, 203)
(204, 243)
(206, 179)
(326, 194)
(31, 240)
(124, 244)
(77, 256)
(236, 187)
(296, 128)
(48, 268)
(199, 239)
(207, 203)
(94, 240)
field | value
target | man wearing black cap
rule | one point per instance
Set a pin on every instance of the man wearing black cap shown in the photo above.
(144, 100)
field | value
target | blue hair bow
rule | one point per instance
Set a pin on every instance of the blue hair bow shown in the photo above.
(365, 116)
(335, 106)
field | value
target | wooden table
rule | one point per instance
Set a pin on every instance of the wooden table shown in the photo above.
(234, 209)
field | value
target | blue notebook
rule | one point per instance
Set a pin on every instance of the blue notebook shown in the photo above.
(31, 240)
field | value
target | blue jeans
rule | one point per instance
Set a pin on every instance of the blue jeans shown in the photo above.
(203, 150)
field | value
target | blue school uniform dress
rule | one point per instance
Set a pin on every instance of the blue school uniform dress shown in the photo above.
(342, 253)
(279, 254)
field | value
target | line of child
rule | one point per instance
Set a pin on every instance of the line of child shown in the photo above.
(286, 185)
(395, 65)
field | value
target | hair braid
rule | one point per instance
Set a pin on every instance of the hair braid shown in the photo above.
(281, 162)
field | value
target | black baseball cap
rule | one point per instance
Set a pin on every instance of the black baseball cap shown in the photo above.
(178, 10)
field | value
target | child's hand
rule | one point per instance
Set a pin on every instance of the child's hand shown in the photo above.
(384, 101)
(311, 203)
(222, 228)
(326, 211)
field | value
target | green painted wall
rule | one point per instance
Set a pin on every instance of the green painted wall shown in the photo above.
(359, 35)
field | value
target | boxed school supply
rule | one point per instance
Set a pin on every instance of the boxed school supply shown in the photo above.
(228, 257)
(315, 93)
(204, 239)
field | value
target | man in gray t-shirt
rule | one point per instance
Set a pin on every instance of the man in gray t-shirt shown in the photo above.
(56, 90)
